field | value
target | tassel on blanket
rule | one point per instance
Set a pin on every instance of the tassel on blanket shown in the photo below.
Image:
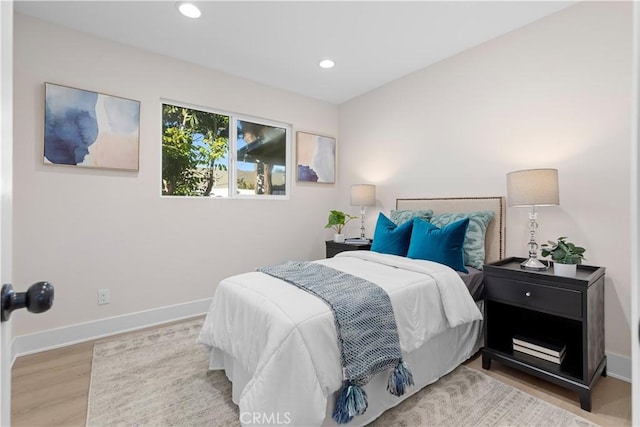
(399, 379)
(351, 402)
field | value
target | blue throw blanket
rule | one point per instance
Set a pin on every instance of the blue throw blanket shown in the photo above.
(366, 328)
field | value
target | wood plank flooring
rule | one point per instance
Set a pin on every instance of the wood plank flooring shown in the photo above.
(51, 389)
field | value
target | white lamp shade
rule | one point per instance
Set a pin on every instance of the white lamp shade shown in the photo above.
(533, 187)
(363, 195)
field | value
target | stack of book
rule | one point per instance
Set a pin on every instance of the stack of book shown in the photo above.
(548, 350)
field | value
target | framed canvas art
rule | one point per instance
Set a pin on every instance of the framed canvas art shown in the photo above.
(90, 129)
(315, 158)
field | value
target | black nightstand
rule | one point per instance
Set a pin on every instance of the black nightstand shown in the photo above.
(540, 305)
(334, 248)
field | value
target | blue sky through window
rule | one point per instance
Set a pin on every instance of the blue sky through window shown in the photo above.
(197, 141)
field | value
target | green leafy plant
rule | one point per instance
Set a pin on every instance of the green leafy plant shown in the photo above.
(193, 144)
(337, 220)
(563, 252)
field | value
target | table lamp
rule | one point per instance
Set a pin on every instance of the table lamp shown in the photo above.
(363, 195)
(531, 188)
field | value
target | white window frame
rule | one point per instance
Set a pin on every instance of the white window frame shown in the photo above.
(233, 152)
(233, 159)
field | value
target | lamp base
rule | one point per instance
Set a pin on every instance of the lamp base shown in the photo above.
(533, 264)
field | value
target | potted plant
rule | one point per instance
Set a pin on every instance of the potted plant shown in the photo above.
(337, 220)
(566, 256)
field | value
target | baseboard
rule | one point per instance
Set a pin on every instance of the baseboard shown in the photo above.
(619, 367)
(74, 334)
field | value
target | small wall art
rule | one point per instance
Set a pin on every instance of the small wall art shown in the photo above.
(315, 158)
(90, 129)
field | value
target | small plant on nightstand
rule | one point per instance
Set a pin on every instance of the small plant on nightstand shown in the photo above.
(337, 220)
(566, 256)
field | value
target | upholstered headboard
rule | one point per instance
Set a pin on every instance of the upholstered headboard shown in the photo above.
(495, 238)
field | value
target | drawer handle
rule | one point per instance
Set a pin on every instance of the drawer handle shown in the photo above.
(528, 294)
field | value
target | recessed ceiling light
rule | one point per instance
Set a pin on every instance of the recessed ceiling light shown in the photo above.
(327, 63)
(189, 10)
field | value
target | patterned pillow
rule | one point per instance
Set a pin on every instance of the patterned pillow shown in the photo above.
(443, 245)
(400, 217)
(474, 240)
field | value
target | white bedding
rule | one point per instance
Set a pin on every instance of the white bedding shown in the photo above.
(284, 339)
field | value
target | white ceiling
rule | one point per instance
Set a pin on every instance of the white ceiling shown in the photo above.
(281, 43)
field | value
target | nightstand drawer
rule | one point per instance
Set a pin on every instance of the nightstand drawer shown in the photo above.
(540, 297)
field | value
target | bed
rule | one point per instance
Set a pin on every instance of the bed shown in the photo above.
(278, 344)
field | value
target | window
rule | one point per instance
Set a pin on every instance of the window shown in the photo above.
(199, 153)
(262, 158)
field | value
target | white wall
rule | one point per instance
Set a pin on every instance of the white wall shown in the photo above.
(89, 229)
(556, 93)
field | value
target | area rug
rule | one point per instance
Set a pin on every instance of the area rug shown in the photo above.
(159, 377)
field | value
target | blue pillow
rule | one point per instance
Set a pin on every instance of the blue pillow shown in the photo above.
(443, 245)
(473, 247)
(390, 238)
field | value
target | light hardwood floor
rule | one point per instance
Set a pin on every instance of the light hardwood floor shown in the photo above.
(51, 389)
(610, 399)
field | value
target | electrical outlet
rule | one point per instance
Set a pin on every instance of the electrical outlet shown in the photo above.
(103, 296)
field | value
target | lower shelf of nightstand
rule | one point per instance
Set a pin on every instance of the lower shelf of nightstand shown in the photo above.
(560, 378)
(570, 368)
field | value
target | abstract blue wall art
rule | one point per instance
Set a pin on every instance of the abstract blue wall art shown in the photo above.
(315, 158)
(89, 129)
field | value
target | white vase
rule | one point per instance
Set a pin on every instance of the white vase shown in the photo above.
(565, 270)
(338, 238)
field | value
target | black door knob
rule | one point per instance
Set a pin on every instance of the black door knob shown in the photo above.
(37, 299)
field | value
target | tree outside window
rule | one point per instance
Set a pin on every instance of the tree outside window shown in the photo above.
(194, 151)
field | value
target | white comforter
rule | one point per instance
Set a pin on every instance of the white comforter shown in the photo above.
(286, 337)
